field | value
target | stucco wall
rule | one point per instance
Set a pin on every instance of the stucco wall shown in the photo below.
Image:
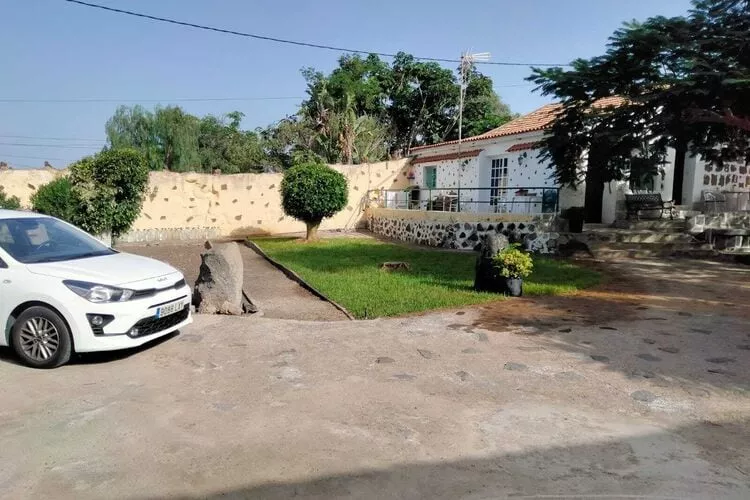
(23, 183)
(227, 205)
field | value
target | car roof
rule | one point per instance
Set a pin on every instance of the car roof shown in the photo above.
(18, 214)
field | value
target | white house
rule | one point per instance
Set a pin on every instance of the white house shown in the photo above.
(499, 172)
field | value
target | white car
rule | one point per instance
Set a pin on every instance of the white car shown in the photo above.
(62, 291)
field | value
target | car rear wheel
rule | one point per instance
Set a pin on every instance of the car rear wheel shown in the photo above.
(41, 338)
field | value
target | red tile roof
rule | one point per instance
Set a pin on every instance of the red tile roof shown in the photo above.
(448, 156)
(538, 119)
(523, 146)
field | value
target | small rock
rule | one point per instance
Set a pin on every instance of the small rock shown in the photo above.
(518, 367)
(471, 350)
(644, 396)
(565, 330)
(701, 330)
(721, 360)
(671, 350)
(607, 328)
(405, 376)
(394, 266)
(462, 375)
(384, 360)
(684, 313)
(586, 342)
(721, 371)
(425, 353)
(569, 376)
(460, 313)
(647, 357)
(601, 359)
(656, 319)
(643, 373)
(698, 392)
(649, 341)
(481, 336)
(744, 347)
(642, 308)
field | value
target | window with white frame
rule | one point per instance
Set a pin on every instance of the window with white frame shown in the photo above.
(498, 180)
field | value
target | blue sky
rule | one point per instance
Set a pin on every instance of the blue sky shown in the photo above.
(56, 50)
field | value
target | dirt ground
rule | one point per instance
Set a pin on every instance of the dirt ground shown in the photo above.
(270, 290)
(637, 389)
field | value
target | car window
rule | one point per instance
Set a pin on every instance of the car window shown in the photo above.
(43, 239)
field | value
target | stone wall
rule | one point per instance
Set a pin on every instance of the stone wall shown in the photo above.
(193, 205)
(727, 220)
(462, 230)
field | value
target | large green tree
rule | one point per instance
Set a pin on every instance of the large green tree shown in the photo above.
(682, 82)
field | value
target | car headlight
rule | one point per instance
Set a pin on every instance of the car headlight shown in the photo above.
(94, 292)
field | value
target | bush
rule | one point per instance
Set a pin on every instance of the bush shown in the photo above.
(513, 263)
(109, 188)
(312, 191)
(9, 202)
(56, 199)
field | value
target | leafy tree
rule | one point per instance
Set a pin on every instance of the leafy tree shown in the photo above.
(682, 82)
(109, 188)
(56, 198)
(9, 202)
(312, 191)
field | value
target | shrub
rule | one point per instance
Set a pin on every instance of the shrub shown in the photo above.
(513, 263)
(9, 202)
(109, 188)
(56, 199)
(312, 191)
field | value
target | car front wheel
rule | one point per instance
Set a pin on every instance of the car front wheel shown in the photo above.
(41, 338)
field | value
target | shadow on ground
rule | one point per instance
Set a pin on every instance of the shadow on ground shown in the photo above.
(695, 461)
(679, 321)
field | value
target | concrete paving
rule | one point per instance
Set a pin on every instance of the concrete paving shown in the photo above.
(622, 392)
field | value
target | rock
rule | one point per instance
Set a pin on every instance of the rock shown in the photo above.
(218, 289)
(404, 376)
(486, 277)
(462, 375)
(648, 357)
(384, 360)
(565, 330)
(601, 359)
(569, 376)
(394, 266)
(643, 373)
(516, 367)
(743, 347)
(481, 336)
(701, 330)
(721, 360)
(671, 350)
(644, 396)
(425, 353)
(607, 328)
(470, 350)
(721, 371)
(649, 341)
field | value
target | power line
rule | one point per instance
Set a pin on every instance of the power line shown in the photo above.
(66, 146)
(178, 99)
(2, 155)
(51, 138)
(290, 42)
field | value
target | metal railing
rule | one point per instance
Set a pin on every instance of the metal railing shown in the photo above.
(512, 200)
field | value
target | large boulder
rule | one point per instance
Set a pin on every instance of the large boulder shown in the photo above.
(218, 289)
(486, 277)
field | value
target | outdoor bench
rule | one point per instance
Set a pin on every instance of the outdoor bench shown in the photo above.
(634, 203)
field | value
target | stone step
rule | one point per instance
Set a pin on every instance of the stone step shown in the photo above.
(634, 250)
(634, 236)
(664, 225)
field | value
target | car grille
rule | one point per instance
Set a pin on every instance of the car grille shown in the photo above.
(149, 326)
(150, 292)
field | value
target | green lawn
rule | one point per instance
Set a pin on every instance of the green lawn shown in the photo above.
(347, 271)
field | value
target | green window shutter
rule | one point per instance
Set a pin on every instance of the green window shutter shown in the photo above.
(430, 177)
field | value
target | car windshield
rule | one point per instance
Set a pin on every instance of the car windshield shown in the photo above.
(43, 239)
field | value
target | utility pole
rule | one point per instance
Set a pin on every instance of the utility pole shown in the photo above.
(467, 61)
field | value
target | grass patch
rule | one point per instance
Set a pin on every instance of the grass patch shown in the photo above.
(347, 271)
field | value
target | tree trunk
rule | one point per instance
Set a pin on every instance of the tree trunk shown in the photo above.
(679, 174)
(312, 230)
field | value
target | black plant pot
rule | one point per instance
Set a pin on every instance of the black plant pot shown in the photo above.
(575, 224)
(513, 287)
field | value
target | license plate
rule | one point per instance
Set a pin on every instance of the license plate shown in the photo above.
(169, 309)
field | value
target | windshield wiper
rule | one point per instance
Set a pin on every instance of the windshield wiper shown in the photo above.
(62, 258)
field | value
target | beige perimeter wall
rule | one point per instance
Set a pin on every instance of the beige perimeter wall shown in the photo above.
(181, 205)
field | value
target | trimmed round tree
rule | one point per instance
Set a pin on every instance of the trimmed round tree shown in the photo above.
(311, 192)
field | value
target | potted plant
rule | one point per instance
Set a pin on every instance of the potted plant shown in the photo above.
(575, 217)
(513, 265)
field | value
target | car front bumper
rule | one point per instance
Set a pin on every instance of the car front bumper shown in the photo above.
(134, 322)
